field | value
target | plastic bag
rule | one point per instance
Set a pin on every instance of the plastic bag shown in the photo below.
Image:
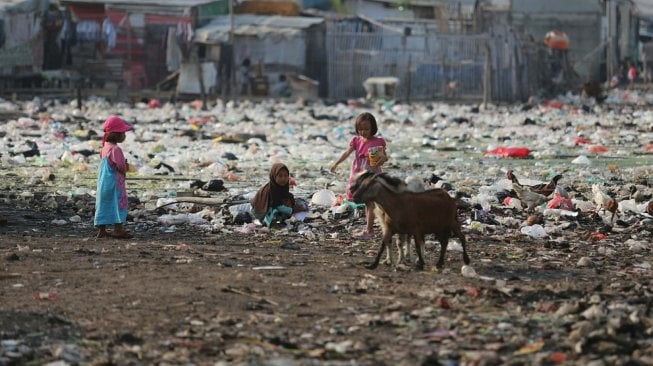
(509, 152)
(323, 197)
(534, 231)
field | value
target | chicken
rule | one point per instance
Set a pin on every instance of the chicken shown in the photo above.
(604, 201)
(529, 198)
(638, 193)
(544, 189)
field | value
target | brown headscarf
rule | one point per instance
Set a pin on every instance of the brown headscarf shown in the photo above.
(272, 194)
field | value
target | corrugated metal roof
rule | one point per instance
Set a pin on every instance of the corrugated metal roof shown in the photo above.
(644, 7)
(463, 3)
(154, 3)
(253, 25)
(7, 3)
(22, 5)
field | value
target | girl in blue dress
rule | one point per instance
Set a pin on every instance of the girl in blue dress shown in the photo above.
(111, 196)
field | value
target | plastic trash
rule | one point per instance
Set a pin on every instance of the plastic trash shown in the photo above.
(631, 206)
(154, 103)
(249, 228)
(637, 246)
(534, 231)
(584, 262)
(468, 271)
(174, 219)
(508, 152)
(597, 149)
(243, 207)
(583, 206)
(169, 203)
(582, 160)
(559, 212)
(45, 296)
(512, 202)
(323, 197)
(582, 141)
(26, 194)
(560, 202)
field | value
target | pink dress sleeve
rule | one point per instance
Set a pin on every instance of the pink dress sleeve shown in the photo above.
(117, 159)
(353, 143)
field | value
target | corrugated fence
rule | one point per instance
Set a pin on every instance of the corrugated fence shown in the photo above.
(428, 65)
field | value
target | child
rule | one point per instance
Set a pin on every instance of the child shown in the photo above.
(111, 196)
(244, 77)
(281, 87)
(632, 75)
(274, 201)
(366, 128)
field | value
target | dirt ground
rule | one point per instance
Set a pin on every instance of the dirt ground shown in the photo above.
(281, 299)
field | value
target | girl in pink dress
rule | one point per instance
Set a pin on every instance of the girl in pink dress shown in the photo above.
(363, 144)
(632, 75)
(111, 195)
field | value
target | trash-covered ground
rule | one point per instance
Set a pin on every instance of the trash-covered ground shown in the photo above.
(553, 280)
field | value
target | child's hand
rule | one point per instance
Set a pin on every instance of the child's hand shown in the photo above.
(333, 168)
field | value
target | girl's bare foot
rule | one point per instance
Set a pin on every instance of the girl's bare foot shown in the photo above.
(102, 233)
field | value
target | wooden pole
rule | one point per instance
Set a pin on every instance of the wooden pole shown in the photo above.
(129, 48)
(232, 41)
(196, 56)
(486, 76)
(408, 83)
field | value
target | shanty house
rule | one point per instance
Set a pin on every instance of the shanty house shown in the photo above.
(274, 45)
(21, 36)
(136, 43)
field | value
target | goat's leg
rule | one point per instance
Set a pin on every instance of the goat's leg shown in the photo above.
(444, 242)
(409, 254)
(385, 245)
(381, 216)
(401, 245)
(388, 256)
(387, 242)
(387, 259)
(419, 242)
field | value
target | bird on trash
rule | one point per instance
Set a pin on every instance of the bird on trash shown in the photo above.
(529, 198)
(604, 201)
(637, 193)
(649, 208)
(544, 189)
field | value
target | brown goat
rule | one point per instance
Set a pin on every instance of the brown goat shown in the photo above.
(413, 213)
